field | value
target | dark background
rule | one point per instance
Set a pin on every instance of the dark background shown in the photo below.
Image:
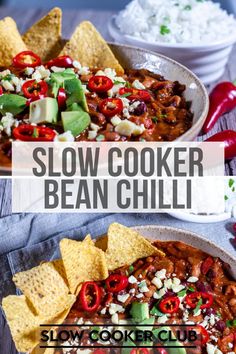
(230, 5)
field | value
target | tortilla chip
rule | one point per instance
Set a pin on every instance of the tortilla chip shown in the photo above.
(11, 42)
(44, 37)
(83, 262)
(125, 246)
(102, 243)
(44, 287)
(90, 49)
(25, 324)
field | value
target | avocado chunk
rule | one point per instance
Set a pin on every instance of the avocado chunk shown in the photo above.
(139, 311)
(75, 107)
(75, 93)
(11, 103)
(149, 322)
(75, 121)
(43, 111)
(178, 347)
(57, 80)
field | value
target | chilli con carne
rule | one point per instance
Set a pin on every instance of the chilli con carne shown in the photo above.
(175, 290)
(108, 104)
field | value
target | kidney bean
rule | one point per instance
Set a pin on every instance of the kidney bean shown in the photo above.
(112, 136)
(220, 326)
(140, 109)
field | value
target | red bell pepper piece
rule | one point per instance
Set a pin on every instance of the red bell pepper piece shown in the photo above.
(222, 100)
(135, 94)
(206, 265)
(139, 351)
(100, 83)
(61, 98)
(21, 60)
(90, 296)
(111, 106)
(64, 61)
(228, 140)
(32, 88)
(170, 304)
(116, 283)
(27, 132)
(193, 299)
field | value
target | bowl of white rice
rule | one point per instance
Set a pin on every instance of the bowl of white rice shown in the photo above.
(196, 33)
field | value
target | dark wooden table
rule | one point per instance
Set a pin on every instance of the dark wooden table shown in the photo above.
(26, 17)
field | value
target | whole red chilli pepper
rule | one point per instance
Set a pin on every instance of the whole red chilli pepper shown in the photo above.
(222, 100)
(228, 139)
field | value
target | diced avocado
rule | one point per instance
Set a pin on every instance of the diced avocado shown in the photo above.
(11, 103)
(74, 107)
(128, 343)
(149, 321)
(57, 80)
(75, 93)
(139, 311)
(75, 121)
(44, 110)
(178, 347)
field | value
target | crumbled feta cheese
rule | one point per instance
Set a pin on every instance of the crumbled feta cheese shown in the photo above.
(212, 349)
(127, 128)
(94, 126)
(114, 308)
(139, 296)
(126, 113)
(111, 73)
(176, 281)
(92, 134)
(215, 339)
(139, 129)
(115, 90)
(65, 137)
(57, 69)
(192, 279)
(134, 105)
(161, 274)
(159, 294)
(5, 73)
(115, 318)
(132, 280)
(177, 288)
(125, 102)
(230, 345)
(157, 282)
(7, 122)
(41, 73)
(168, 283)
(29, 71)
(84, 87)
(132, 291)
(162, 319)
(76, 64)
(115, 120)
(7, 85)
(138, 85)
(111, 105)
(84, 70)
(103, 311)
(123, 298)
(143, 288)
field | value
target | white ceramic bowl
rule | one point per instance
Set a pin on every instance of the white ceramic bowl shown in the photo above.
(163, 233)
(208, 62)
